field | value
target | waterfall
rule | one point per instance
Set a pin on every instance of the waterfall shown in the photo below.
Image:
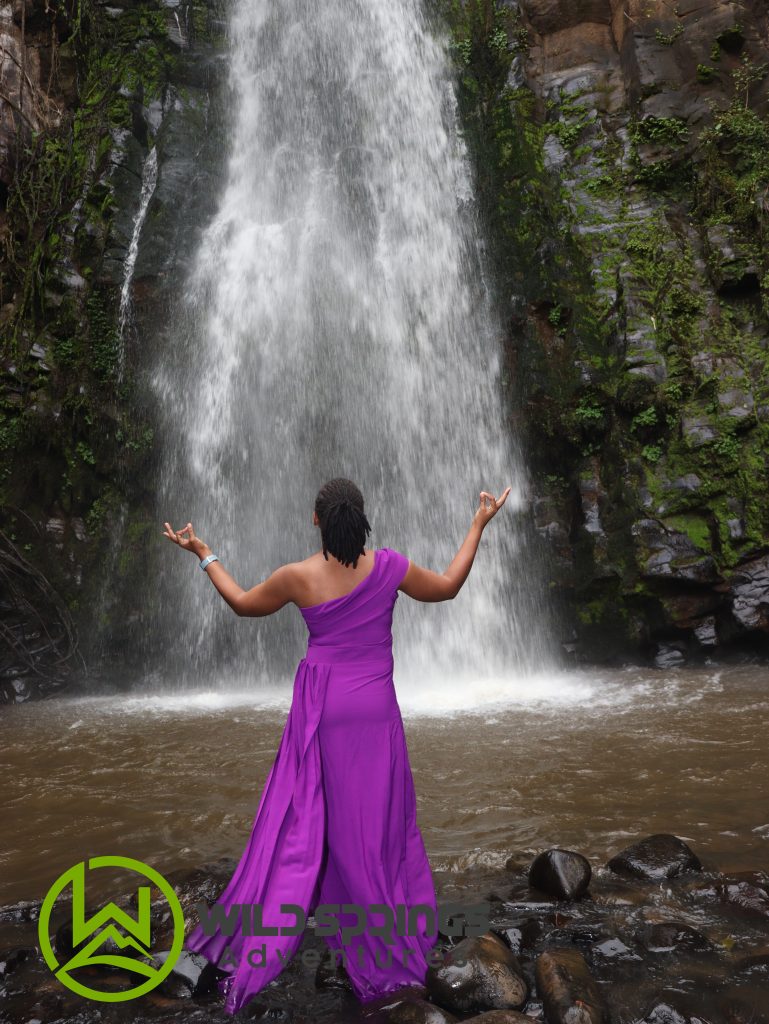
(337, 321)
(149, 181)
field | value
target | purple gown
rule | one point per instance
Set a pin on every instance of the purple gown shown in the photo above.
(336, 822)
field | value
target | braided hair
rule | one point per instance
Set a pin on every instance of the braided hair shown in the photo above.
(343, 523)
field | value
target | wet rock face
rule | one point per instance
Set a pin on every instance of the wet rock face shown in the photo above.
(750, 591)
(479, 973)
(562, 874)
(75, 309)
(548, 16)
(667, 552)
(646, 409)
(33, 98)
(655, 858)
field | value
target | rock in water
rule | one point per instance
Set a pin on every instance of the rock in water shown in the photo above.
(500, 1017)
(568, 991)
(417, 1011)
(560, 873)
(479, 973)
(666, 936)
(655, 858)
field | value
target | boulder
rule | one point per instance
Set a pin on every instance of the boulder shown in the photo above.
(568, 990)
(412, 1010)
(479, 973)
(655, 858)
(562, 874)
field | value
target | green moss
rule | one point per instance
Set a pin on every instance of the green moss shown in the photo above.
(580, 294)
(695, 527)
(75, 442)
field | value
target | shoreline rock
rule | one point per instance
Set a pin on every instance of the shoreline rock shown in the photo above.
(671, 950)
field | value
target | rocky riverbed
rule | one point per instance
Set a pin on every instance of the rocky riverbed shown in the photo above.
(656, 935)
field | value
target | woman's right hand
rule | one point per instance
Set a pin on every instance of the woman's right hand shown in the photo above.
(488, 508)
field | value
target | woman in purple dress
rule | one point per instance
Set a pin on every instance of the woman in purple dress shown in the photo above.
(336, 822)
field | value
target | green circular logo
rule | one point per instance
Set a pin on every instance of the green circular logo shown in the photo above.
(104, 925)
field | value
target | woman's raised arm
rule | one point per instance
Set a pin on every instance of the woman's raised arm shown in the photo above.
(263, 599)
(425, 585)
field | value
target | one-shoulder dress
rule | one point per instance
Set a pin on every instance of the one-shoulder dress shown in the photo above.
(336, 822)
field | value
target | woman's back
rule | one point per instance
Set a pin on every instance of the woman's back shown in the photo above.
(361, 620)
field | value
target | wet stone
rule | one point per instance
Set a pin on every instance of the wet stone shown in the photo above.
(479, 973)
(669, 936)
(499, 1017)
(568, 990)
(412, 1010)
(655, 858)
(563, 874)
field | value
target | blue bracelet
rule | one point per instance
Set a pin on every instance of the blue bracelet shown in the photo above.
(207, 561)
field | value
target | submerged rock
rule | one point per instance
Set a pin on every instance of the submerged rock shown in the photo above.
(412, 1010)
(568, 990)
(655, 858)
(667, 936)
(753, 899)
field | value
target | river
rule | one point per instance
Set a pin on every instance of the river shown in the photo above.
(587, 760)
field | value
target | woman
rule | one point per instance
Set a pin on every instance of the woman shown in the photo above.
(336, 823)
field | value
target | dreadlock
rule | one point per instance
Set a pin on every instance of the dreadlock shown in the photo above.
(343, 523)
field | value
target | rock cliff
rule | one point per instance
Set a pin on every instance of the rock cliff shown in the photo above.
(107, 122)
(621, 153)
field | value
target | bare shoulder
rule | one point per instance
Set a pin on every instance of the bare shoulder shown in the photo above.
(297, 577)
(288, 579)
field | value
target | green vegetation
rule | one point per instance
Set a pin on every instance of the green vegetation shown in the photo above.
(668, 38)
(74, 439)
(635, 317)
(705, 73)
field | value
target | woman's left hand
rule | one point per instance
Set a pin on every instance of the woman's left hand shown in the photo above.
(186, 539)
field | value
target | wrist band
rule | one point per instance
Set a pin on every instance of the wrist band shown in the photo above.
(207, 561)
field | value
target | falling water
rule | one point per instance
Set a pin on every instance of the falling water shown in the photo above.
(149, 181)
(337, 322)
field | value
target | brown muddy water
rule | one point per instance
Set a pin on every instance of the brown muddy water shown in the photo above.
(586, 760)
(589, 761)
